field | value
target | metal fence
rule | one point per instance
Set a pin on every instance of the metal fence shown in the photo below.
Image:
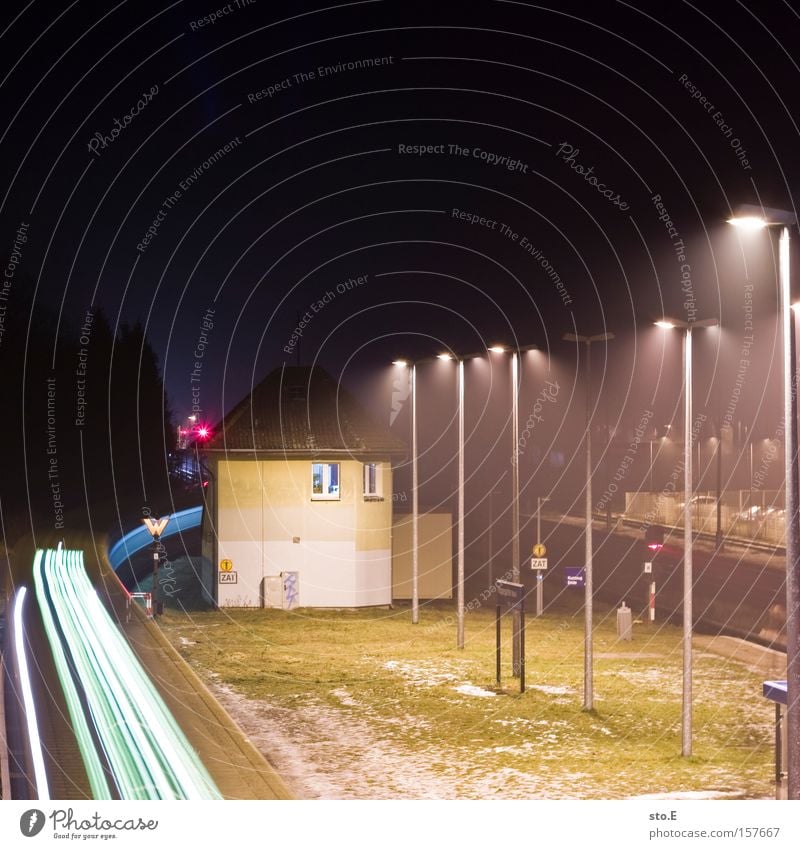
(747, 514)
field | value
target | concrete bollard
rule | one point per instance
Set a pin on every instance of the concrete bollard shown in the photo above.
(624, 622)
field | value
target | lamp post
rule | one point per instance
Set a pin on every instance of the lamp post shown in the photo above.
(588, 672)
(460, 523)
(414, 493)
(688, 437)
(515, 562)
(756, 218)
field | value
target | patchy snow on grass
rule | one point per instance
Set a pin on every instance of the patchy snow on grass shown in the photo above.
(694, 794)
(472, 690)
(425, 673)
(551, 690)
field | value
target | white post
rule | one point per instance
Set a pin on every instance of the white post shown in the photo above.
(515, 571)
(460, 590)
(686, 710)
(414, 502)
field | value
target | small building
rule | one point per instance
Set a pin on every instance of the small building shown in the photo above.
(299, 499)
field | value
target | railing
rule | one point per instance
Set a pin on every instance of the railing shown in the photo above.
(756, 515)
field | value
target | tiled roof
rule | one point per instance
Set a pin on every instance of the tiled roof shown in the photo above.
(300, 409)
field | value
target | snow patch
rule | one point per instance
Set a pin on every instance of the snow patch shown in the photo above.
(472, 690)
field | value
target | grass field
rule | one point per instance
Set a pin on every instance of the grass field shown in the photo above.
(363, 704)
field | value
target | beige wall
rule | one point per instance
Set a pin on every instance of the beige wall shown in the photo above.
(267, 523)
(435, 556)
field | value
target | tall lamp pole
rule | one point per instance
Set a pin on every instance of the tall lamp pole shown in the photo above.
(460, 521)
(414, 492)
(688, 579)
(588, 671)
(756, 218)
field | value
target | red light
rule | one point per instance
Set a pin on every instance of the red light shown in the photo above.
(203, 432)
(655, 546)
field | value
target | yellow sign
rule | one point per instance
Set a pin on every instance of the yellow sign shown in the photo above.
(226, 566)
(539, 550)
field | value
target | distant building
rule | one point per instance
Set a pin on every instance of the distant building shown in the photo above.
(299, 499)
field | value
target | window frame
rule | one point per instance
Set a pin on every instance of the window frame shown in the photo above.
(326, 481)
(377, 493)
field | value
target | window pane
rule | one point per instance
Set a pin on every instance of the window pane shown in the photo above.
(316, 479)
(373, 479)
(333, 479)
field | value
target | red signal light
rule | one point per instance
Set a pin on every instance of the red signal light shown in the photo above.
(203, 432)
(655, 546)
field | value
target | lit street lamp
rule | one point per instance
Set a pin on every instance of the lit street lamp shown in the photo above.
(756, 218)
(460, 574)
(688, 435)
(414, 493)
(588, 684)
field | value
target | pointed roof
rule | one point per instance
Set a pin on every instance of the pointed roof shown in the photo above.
(302, 411)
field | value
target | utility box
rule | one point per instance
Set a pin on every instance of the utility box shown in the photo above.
(624, 622)
(272, 591)
(291, 590)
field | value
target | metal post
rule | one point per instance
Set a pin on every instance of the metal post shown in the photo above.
(156, 558)
(686, 708)
(522, 644)
(497, 640)
(460, 591)
(792, 530)
(414, 502)
(588, 603)
(719, 488)
(539, 577)
(515, 571)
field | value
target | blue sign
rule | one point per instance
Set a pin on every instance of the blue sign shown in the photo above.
(574, 576)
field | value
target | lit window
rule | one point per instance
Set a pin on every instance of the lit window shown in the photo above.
(325, 481)
(373, 480)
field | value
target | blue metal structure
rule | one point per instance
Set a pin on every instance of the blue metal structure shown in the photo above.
(139, 538)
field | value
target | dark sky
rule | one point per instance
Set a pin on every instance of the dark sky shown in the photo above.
(553, 140)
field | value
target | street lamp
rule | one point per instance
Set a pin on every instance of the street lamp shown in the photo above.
(588, 684)
(460, 575)
(516, 650)
(756, 218)
(688, 436)
(414, 492)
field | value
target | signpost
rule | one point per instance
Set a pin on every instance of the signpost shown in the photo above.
(513, 596)
(156, 528)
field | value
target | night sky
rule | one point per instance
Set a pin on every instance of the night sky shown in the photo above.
(398, 178)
